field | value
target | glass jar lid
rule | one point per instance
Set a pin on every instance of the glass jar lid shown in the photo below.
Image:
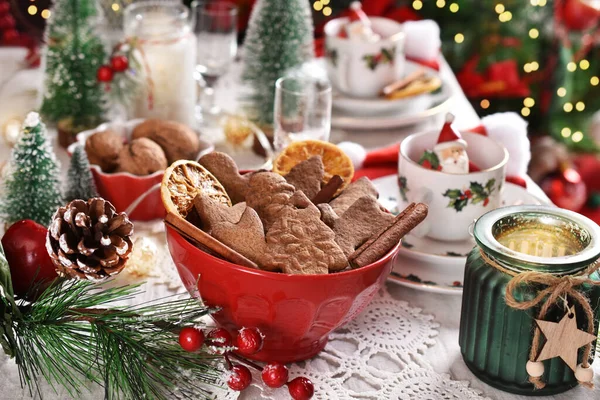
(542, 238)
(156, 19)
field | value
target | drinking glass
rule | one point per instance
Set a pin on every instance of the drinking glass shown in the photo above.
(302, 110)
(216, 33)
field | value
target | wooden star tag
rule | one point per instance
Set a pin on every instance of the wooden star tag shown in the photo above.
(563, 339)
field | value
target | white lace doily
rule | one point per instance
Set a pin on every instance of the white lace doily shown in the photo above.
(376, 356)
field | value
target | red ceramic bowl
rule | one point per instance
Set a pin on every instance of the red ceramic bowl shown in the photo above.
(139, 195)
(296, 313)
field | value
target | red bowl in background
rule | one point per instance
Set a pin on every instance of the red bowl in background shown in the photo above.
(296, 313)
(123, 189)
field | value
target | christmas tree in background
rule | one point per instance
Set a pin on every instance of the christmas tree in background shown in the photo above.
(73, 97)
(32, 188)
(279, 37)
(536, 57)
(80, 182)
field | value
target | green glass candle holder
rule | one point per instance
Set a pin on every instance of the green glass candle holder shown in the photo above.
(495, 339)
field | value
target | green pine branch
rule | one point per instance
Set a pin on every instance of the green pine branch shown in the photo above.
(74, 334)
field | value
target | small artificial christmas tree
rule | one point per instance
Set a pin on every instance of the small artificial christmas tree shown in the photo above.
(279, 37)
(32, 188)
(73, 97)
(80, 182)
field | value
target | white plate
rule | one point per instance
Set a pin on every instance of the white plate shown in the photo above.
(377, 105)
(432, 265)
(437, 104)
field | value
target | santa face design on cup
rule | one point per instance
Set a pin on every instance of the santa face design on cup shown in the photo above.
(361, 65)
(453, 158)
(455, 199)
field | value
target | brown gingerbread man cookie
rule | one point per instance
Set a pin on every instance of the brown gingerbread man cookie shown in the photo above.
(226, 171)
(357, 189)
(360, 221)
(298, 242)
(307, 176)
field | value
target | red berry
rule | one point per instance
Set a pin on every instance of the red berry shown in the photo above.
(191, 339)
(219, 337)
(462, 197)
(7, 22)
(105, 74)
(486, 202)
(301, 388)
(25, 250)
(119, 63)
(240, 378)
(468, 194)
(249, 341)
(275, 374)
(439, 168)
(426, 164)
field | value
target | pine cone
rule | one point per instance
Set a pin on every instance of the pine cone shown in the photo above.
(89, 240)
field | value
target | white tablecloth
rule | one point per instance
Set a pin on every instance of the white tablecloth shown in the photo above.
(442, 354)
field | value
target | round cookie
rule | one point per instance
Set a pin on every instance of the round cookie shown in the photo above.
(177, 140)
(103, 149)
(142, 157)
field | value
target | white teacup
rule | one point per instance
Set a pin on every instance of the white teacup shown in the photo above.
(454, 200)
(362, 69)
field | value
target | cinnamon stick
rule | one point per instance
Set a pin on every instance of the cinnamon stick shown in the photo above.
(384, 240)
(399, 84)
(328, 191)
(203, 240)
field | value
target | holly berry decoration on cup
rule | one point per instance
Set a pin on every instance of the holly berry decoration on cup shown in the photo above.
(31, 267)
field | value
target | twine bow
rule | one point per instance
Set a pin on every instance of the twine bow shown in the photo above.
(558, 287)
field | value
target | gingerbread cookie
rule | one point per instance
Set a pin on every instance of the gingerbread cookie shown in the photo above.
(357, 189)
(269, 195)
(360, 221)
(226, 171)
(238, 227)
(212, 213)
(298, 242)
(307, 176)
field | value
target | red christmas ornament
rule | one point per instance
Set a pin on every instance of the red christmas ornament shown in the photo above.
(7, 22)
(275, 375)
(4, 7)
(577, 15)
(25, 249)
(104, 74)
(240, 378)
(249, 341)
(301, 388)
(119, 63)
(10, 36)
(566, 189)
(191, 339)
(219, 337)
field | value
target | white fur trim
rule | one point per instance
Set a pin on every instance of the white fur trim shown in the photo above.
(511, 130)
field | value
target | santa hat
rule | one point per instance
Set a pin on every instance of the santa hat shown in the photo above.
(449, 137)
(357, 13)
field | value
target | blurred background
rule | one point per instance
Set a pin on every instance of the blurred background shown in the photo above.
(539, 58)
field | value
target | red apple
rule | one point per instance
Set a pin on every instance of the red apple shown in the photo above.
(24, 245)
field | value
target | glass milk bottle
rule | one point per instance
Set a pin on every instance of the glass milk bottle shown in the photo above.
(166, 50)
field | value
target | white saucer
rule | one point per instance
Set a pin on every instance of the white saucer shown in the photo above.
(433, 265)
(379, 105)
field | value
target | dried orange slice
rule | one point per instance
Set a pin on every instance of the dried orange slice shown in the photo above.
(185, 179)
(335, 161)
